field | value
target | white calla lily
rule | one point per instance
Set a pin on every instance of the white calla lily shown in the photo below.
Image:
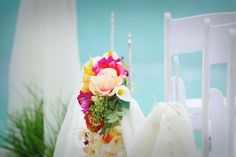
(123, 93)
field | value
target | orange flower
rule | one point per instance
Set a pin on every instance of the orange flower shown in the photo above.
(109, 137)
(88, 71)
(86, 81)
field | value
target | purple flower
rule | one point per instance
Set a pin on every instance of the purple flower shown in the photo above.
(86, 142)
(85, 101)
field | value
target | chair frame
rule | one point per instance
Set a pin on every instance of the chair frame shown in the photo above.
(217, 18)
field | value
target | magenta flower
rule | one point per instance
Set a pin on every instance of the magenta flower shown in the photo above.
(110, 62)
(121, 70)
(85, 101)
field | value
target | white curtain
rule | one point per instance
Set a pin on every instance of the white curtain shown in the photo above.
(45, 53)
(26, 65)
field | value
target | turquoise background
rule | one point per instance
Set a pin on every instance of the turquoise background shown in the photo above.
(144, 19)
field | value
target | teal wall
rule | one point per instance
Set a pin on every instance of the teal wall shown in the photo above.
(8, 15)
(144, 19)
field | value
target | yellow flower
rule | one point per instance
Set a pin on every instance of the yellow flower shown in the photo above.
(88, 70)
(86, 80)
(109, 53)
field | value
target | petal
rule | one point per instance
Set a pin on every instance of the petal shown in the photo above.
(125, 96)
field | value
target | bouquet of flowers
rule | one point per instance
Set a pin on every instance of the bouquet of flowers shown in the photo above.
(104, 98)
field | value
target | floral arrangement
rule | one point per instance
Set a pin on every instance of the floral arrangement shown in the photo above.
(104, 97)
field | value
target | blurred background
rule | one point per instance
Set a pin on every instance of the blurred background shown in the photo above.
(144, 19)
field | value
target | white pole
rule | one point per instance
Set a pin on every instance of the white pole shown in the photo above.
(167, 58)
(230, 92)
(130, 62)
(205, 92)
(112, 31)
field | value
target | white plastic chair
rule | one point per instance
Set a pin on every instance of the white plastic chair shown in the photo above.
(220, 48)
(186, 35)
(231, 86)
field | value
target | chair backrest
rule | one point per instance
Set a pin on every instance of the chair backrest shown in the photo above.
(219, 43)
(185, 35)
(219, 48)
(112, 33)
(130, 69)
(231, 88)
(178, 87)
(112, 46)
(217, 120)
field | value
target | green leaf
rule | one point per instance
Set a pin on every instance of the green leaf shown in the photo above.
(110, 116)
(125, 104)
(119, 107)
(108, 125)
(120, 113)
(113, 118)
(107, 113)
(117, 128)
(111, 105)
(103, 130)
(107, 132)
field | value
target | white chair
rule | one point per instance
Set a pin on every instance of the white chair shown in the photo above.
(232, 59)
(220, 48)
(231, 95)
(186, 35)
(112, 46)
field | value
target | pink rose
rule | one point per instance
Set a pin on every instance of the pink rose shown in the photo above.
(105, 82)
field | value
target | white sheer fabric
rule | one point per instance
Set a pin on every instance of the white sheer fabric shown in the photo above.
(45, 53)
(67, 144)
(27, 57)
(167, 132)
(60, 48)
(45, 50)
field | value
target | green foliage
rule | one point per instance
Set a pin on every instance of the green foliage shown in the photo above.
(24, 136)
(109, 108)
(99, 107)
